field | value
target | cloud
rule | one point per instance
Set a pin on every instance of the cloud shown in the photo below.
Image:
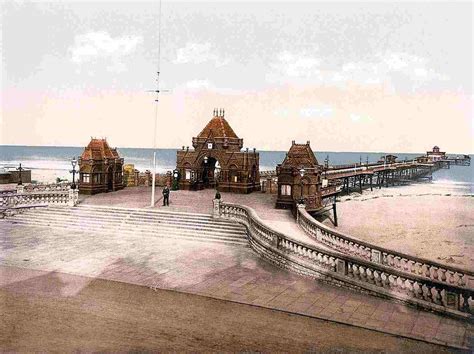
(94, 46)
(291, 65)
(395, 68)
(197, 53)
(399, 70)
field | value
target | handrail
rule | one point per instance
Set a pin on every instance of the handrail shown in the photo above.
(362, 249)
(320, 262)
(47, 187)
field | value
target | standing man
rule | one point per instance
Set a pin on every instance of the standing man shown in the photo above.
(166, 196)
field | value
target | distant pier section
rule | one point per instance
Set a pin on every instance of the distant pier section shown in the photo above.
(385, 172)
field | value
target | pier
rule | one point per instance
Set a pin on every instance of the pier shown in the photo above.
(357, 176)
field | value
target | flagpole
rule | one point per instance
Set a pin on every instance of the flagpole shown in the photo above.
(153, 178)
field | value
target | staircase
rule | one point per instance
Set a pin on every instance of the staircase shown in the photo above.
(100, 220)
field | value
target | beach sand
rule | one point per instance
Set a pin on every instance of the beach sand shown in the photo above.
(426, 220)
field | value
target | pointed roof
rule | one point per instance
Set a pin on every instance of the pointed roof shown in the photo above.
(300, 155)
(218, 127)
(98, 149)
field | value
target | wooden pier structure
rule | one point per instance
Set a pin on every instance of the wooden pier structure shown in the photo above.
(357, 176)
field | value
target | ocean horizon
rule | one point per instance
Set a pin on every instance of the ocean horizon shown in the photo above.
(50, 162)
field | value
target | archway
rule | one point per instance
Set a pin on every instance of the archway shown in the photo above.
(210, 174)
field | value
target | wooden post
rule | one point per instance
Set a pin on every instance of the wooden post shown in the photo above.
(360, 184)
(371, 183)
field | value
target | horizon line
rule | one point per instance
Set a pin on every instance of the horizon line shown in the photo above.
(180, 148)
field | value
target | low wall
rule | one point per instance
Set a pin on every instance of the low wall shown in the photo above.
(57, 194)
(359, 272)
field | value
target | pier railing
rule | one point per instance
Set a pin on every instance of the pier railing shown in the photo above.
(39, 195)
(449, 296)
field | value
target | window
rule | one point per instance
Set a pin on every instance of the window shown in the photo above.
(209, 146)
(285, 189)
(86, 178)
(96, 178)
(188, 174)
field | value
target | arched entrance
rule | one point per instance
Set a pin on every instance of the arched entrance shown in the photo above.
(210, 174)
(219, 144)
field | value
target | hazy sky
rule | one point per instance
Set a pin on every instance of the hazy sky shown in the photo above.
(349, 76)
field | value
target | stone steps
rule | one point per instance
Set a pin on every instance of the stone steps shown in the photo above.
(154, 215)
(144, 233)
(137, 222)
(97, 226)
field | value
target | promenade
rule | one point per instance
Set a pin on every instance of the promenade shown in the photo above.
(216, 270)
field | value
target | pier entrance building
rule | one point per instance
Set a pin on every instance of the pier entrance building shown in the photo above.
(100, 168)
(216, 160)
(299, 179)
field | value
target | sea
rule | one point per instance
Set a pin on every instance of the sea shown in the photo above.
(47, 163)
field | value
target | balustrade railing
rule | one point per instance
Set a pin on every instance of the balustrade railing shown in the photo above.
(448, 292)
(365, 250)
(45, 195)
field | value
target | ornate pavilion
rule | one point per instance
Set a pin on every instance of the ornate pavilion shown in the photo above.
(299, 178)
(100, 168)
(217, 161)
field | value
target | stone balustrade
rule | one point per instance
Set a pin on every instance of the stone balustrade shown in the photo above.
(24, 197)
(409, 264)
(435, 293)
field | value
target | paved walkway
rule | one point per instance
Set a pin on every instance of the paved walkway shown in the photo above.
(223, 271)
(35, 308)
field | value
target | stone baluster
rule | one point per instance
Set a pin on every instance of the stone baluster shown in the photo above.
(392, 281)
(377, 278)
(417, 290)
(465, 302)
(427, 295)
(370, 276)
(450, 276)
(434, 273)
(350, 271)
(443, 275)
(397, 260)
(437, 295)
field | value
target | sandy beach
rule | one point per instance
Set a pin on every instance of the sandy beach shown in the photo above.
(429, 220)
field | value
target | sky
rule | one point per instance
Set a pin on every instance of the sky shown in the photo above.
(348, 76)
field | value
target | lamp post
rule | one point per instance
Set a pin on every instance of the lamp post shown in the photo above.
(205, 177)
(175, 179)
(302, 171)
(19, 174)
(73, 171)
